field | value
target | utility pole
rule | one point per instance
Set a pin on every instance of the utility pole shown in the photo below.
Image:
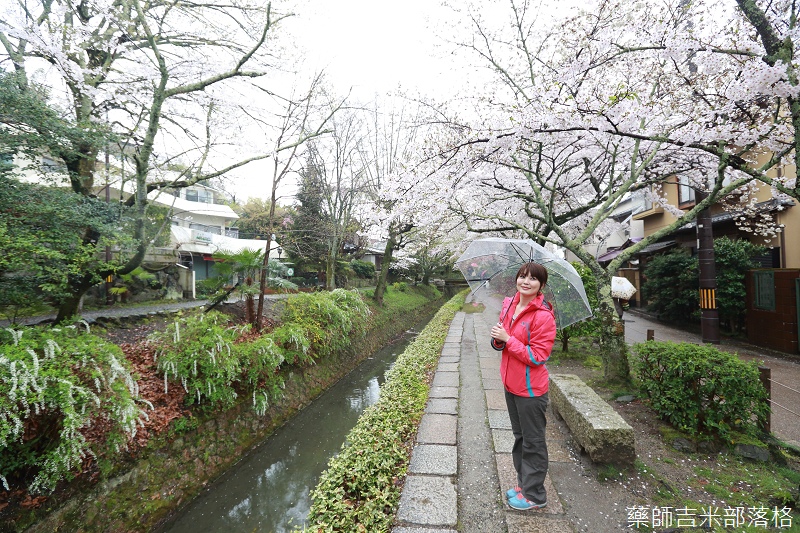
(709, 316)
(109, 278)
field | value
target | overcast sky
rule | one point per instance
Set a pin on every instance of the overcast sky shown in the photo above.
(374, 46)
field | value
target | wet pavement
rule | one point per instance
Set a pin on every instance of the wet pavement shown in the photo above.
(461, 463)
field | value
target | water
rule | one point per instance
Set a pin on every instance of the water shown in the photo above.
(269, 490)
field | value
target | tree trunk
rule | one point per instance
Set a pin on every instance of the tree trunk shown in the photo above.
(613, 349)
(70, 306)
(380, 288)
(330, 272)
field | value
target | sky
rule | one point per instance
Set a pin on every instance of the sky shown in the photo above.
(376, 46)
(367, 48)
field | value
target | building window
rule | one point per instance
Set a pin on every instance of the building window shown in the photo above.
(685, 191)
(201, 195)
(216, 230)
(53, 165)
(764, 285)
(6, 161)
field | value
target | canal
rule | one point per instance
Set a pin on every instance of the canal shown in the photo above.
(269, 490)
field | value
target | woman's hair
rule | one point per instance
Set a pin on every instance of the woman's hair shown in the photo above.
(535, 270)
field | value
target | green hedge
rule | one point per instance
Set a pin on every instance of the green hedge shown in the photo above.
(358, 491)
(701, 390)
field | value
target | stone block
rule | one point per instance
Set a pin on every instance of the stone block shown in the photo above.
(428, 501)
(594, 424)
(437, 429)
(434, 459)
(445, 406)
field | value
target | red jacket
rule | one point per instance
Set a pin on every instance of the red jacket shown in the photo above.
(533, 333)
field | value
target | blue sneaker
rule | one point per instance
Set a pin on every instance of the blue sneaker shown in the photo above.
(512, 493)
(521, 503)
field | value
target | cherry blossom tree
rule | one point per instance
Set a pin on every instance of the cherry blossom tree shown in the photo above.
(394, 132)
(572, 126)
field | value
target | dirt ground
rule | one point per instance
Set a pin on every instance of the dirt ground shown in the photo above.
(663, 476)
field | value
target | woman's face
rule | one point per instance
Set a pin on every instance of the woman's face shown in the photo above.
(527, 285)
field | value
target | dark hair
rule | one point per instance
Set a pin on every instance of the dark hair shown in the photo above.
(535, 270)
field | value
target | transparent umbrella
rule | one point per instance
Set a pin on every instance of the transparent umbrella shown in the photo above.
(492, 264)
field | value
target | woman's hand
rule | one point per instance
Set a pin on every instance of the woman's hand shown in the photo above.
(498, 332)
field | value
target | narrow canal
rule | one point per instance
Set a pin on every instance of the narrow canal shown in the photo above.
(269, 490)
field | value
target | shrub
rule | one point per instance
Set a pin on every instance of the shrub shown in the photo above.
(56, 384)
(700, 390)
(363, 269)
(400, 286)
(671, 286)
(294, 340)
(260, 361)
(328, 320)
(732, 260)
(358, 492)
(196, 352)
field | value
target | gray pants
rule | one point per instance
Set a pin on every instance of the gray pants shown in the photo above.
(528, 423)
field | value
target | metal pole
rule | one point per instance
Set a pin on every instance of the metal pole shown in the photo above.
(709, 316)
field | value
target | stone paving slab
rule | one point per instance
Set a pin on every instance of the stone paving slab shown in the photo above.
(503, 440)
(450, 351)
(499, 419)
(447, 367)
(490, 364)
(445, 379)
(492, 383)
(452, 345)
(443, 392)
(449, 359)
(508, 479)
(445, 406)
(434, 459)
(518, 522)
(422, 530)
(496, 399)
(428, 501)
(437, 429)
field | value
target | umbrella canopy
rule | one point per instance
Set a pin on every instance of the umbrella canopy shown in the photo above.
(622, 288)
(492, 264)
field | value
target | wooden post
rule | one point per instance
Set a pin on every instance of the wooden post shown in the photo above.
(765, 375)
(651, 334)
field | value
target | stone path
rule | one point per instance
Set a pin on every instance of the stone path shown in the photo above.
(461, 464)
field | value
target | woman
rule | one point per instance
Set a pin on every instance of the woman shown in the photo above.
(525, 333)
